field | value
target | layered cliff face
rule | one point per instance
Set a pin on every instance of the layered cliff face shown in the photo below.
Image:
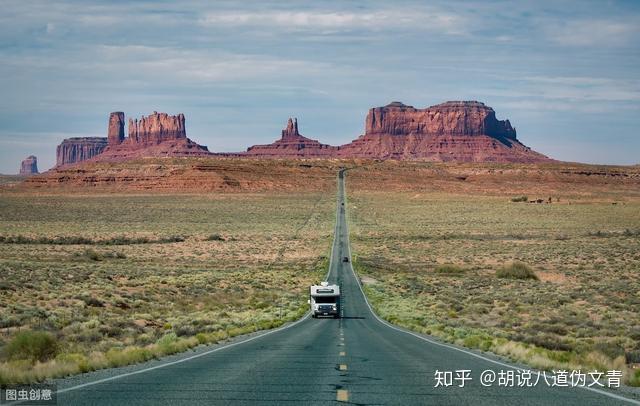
(29, 166)
(77, 149)
(158, 134)
(292, 145)
(156, 128)
(466, 131)
(454, 118)
(115, 133)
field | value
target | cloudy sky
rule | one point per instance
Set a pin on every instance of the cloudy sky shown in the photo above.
(566, 73)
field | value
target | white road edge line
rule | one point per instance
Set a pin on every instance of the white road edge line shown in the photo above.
(202, 354)
(386, 323)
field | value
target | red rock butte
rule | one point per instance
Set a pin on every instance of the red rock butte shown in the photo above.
(77, 149)
(292, 145)
(29, 166)
(156, 135)
(464, 131)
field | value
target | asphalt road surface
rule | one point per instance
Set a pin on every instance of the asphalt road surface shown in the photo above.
(356, 359)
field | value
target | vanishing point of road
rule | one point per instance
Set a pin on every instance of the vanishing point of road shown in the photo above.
(357, 359)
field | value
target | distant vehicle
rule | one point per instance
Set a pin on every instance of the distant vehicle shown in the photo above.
(345, 259)
(324, 300)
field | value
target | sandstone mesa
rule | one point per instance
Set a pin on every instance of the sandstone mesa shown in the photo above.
(156, 135)
(461, 131)
(78, 149)
(29, 166)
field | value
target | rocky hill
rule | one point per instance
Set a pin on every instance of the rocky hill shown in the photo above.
(461, 131)
(156, 135)
(29, 166)
(464, 131)
(190, 174)
(77, 149)
(292, 145)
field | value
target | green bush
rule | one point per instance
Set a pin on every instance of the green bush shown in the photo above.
(33, 346)
(472, 341)
(119, 357)
(215, 237)
(78, 359)
(91, 301)
(167, 343)
(517, 270)
(202, 338)
(520, 199)
(90, 254)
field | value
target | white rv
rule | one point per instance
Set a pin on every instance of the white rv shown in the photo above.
(325, 300)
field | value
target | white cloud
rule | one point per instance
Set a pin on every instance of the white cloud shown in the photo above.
(594, 32)
(585, 88)
(332, 21)
(546, 106)
(569, 80)
(202, 67)
(173, 65)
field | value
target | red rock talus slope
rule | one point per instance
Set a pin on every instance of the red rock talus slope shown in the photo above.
(292, 145)
(465, 131)
(77, 149)
(192, 174)
(203, 174)
(29, 166)
(158, 134)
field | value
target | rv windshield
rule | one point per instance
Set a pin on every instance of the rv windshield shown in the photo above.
(324, 299)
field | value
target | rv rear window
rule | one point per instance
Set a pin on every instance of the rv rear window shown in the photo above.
(325, 299)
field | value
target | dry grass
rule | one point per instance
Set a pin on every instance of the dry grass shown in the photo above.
(554, 285)
(106, 277)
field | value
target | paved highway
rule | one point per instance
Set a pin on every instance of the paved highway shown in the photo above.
(357, 359)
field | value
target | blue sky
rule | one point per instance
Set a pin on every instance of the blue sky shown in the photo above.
(566, 73)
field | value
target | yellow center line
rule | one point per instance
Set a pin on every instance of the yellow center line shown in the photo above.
(342, 395)
(343, 367)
